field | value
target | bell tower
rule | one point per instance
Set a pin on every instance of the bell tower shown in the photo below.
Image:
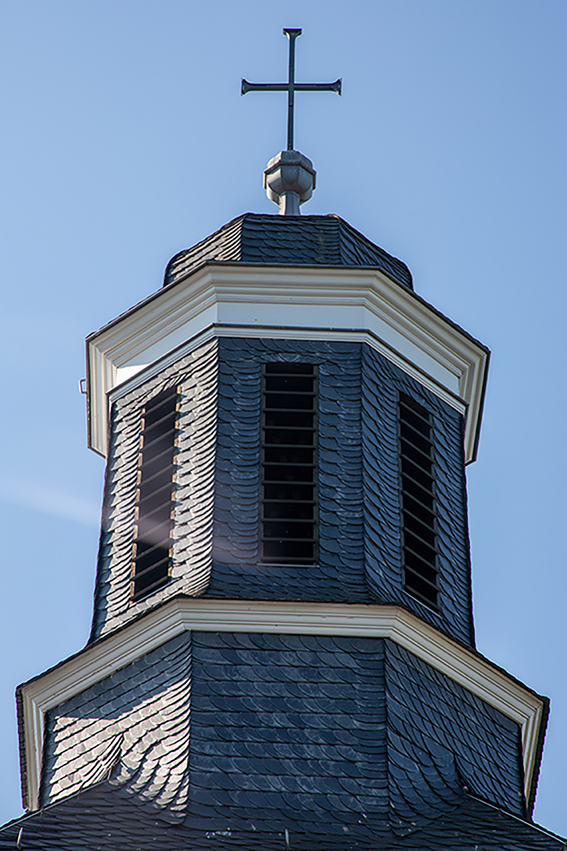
(282, 651)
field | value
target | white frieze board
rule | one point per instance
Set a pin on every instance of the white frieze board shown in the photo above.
(100, 660)
(293, 303)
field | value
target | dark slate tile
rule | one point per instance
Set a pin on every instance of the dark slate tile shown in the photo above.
(103, 818)
(275, 240)
(340, 574)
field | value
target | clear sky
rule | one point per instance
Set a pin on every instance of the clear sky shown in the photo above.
(124, 139)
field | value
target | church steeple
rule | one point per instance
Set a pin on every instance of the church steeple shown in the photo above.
(282, 650)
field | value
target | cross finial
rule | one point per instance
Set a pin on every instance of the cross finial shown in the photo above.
(291, 86)
(290, 177)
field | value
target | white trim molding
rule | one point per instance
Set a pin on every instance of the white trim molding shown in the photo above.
(289, 302)
(100, 660)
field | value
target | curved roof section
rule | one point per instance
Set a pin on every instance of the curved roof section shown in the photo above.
(287, 241)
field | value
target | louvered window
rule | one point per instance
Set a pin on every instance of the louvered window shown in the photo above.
(154, 504)
(418, 501)
(289, 464)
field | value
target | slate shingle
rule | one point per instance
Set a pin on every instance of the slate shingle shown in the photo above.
(105, 819)
(289, 241)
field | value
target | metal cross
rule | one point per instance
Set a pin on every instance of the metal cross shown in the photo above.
(291, 86)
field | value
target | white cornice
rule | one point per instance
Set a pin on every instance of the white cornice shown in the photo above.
(317, 303)
(99, 660)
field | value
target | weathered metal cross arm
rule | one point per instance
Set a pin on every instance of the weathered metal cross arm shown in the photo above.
(298, 87)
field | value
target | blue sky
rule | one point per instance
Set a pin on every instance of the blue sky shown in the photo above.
(125, 139)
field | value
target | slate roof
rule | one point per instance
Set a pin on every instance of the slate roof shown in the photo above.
(106, 819)
(287, 241)
(326, 734)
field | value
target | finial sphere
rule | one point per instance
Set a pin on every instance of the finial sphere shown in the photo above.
(289, 180)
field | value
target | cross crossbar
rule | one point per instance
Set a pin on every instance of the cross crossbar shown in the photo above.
(291, 86)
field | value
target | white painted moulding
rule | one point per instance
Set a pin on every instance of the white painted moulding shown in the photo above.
(100, 660)
(289, 303)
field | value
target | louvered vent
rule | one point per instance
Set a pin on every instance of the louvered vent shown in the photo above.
(154, 505)
(289, 464)
(418, 501)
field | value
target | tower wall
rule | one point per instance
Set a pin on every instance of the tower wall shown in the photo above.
(216, 540)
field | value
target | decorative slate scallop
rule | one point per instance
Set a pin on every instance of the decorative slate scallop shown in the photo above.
(293, 715)
(361, 724)
(432, 718)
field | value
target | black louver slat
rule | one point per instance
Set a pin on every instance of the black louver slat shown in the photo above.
(288, 533)
(418, 501)
(154, 506)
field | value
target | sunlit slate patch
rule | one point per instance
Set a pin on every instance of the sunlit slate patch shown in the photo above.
(132, 727)
(194, 379)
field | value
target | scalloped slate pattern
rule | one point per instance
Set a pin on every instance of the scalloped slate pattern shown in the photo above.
(218, 476)
(441, 734)
(346, 743)
(287, 729)
(308, 728)
(134, 724)
(288, 241)
(359, 501)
